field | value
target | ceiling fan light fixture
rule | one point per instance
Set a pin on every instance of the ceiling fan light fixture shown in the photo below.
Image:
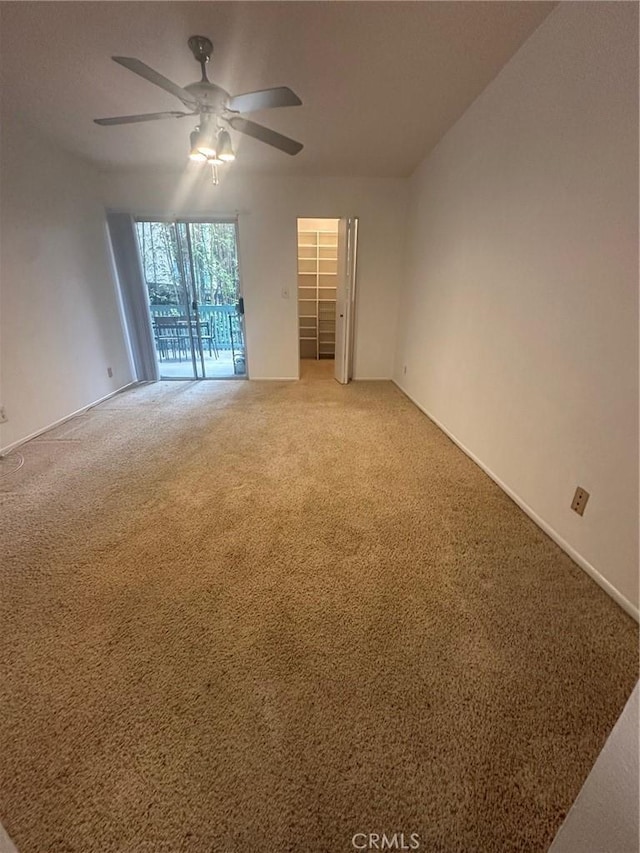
(207, 150)
(203, 140)
(195, 153)
(225, 148)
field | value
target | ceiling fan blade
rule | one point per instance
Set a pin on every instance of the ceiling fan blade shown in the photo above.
(154, 77)
(265, 134)
(143, 117)
(264, 99)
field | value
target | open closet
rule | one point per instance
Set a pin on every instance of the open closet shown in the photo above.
(317, 282)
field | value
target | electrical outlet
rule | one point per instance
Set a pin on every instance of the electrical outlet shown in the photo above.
(285, 292)
(580, 500)
(109, 372)
(3, 415)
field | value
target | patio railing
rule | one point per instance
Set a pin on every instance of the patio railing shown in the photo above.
(223, 321)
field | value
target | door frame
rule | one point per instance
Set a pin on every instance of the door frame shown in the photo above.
(347, 281)
(231, 219)
(351, 259)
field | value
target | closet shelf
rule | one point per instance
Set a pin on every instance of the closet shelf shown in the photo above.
(317, 260)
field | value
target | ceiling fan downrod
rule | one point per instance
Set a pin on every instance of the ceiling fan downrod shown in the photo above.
(201, 47)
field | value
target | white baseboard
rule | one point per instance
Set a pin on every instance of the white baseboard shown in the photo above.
(21, 441)
(584, 564)
(273, 379)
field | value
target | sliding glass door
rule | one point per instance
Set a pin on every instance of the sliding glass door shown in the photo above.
(213, 248)
(195, 304)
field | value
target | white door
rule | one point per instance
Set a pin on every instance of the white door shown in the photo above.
(346, 297)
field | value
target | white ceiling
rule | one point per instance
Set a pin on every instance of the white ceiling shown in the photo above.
(381, 82)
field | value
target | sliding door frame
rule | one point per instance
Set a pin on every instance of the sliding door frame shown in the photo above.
(213, 220)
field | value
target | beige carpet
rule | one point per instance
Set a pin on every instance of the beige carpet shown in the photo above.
(263, 617)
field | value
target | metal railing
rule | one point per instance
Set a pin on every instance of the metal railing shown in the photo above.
(223, 321)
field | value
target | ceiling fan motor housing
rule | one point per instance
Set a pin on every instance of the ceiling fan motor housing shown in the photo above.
(210, 98)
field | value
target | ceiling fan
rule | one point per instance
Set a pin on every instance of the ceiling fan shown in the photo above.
(216, 109)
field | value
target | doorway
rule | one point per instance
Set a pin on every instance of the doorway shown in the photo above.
(317, 282)
(327, 250)
(195, 305)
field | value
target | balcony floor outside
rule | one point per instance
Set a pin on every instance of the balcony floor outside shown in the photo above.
(214, 368)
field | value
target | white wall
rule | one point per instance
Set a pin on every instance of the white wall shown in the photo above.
(605, 816)
(59, 323)
(519, 321)
(6, 844)
(268, 208)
